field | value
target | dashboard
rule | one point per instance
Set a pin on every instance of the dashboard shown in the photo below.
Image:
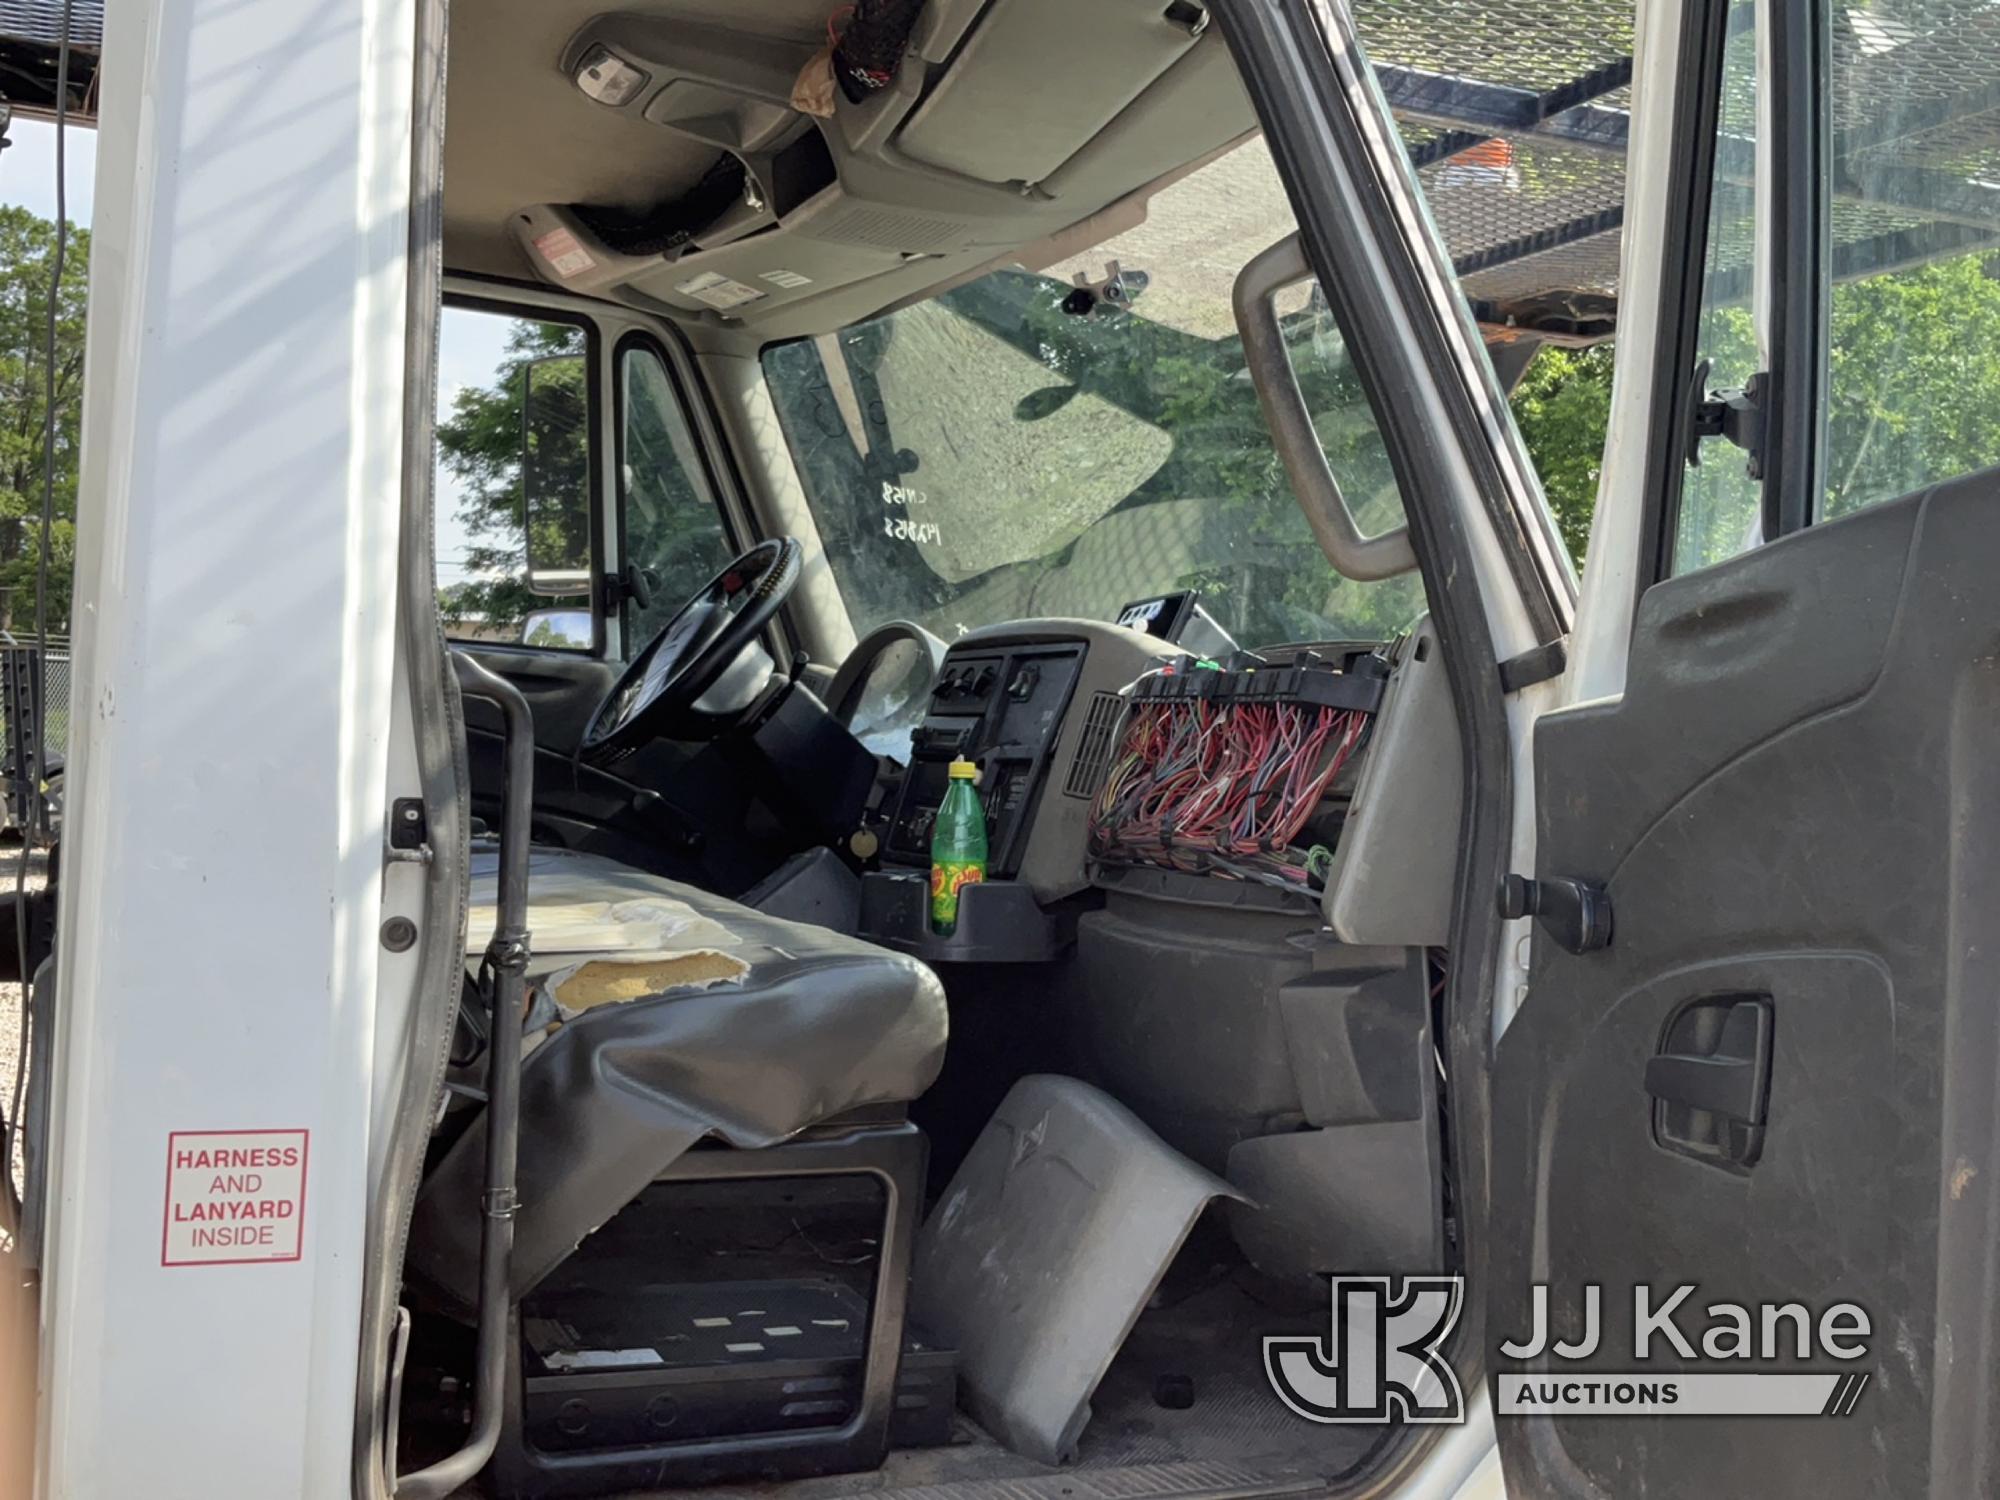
(1023, 700)
(1037, 705)
(1001, 707)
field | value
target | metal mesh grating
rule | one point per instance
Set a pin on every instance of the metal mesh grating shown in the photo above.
(1517, 117)
(1587, 265)
(40, 21)
(1545, 188)
(1093, 749)
(1536, 46)
(1538, 215)
(55, 693)
(1901, 54)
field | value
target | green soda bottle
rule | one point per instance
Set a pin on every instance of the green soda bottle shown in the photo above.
(958, 845)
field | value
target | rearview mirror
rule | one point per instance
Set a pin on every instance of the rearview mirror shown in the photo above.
(555, 474)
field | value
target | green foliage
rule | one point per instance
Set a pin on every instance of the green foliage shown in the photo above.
(1719, 501)
(1913, 380)
(567, 630)
(479, 444)
(555, 463)
(27, 246)
(1562, 405)
(672, 530)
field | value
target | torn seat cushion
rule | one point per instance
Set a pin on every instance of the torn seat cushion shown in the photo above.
(762, 1028)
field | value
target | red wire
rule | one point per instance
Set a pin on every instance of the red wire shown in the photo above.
(1238, 783)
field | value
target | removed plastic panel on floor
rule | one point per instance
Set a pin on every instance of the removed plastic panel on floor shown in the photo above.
(1042, 1252)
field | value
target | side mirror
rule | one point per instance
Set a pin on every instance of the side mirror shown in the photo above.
(555, 474)
(569, 629)
(1255, 299)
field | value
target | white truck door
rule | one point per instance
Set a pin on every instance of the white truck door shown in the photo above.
(1757, 1051)
(222, 982)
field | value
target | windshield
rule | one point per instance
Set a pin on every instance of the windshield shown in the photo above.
(989, 455)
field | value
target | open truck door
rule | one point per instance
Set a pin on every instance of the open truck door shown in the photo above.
(1757, 1049)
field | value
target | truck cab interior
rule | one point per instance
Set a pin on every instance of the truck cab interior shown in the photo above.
(813, 412)
(800, 406)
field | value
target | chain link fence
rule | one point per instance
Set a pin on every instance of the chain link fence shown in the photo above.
(33, 686)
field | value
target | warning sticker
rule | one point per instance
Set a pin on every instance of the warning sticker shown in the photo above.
(564, 253)
(234, 1196)
(718, 290)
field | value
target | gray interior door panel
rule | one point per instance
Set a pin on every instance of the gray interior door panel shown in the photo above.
(1793, 812)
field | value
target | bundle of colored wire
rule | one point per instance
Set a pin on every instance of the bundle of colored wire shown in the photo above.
(1222, 789)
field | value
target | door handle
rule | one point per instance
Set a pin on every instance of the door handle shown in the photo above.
(1711, 1080)
(1720, 1085)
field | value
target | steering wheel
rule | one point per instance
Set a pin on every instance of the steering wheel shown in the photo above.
(659, 692)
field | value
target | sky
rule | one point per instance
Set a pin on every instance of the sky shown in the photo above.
(469, 349)
(28, 169)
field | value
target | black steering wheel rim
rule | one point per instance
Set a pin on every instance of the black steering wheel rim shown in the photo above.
(657, 691)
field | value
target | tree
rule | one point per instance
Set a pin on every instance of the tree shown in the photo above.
(479, 444)
(27, 249)
(1913, 382)
(1562, 406)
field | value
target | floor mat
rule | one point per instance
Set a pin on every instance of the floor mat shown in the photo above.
(1235, 1438)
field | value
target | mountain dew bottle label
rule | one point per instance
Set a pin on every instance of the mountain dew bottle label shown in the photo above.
(958, 846)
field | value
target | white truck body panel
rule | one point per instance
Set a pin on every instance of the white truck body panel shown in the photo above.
(235, 631)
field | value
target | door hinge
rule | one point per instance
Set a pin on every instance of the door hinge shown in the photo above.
(1737, 415)
(1575, 913)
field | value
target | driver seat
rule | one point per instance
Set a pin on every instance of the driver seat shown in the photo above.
(678, 1016)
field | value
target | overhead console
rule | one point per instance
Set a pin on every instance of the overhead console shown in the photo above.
(940, 169)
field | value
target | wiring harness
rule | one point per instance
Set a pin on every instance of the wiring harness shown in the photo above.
(1219, 772)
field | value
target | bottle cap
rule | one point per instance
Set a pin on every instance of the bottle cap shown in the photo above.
(962, 769)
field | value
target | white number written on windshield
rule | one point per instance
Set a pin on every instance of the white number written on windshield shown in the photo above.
(903, 529)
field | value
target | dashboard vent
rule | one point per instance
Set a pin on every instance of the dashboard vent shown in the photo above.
(1093, 750)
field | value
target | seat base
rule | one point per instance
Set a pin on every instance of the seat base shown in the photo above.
(728, 1379)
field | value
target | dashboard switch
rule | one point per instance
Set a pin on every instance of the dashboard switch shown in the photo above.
(1022, 688)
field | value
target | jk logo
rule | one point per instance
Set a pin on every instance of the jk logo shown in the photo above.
(1382, 1362)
